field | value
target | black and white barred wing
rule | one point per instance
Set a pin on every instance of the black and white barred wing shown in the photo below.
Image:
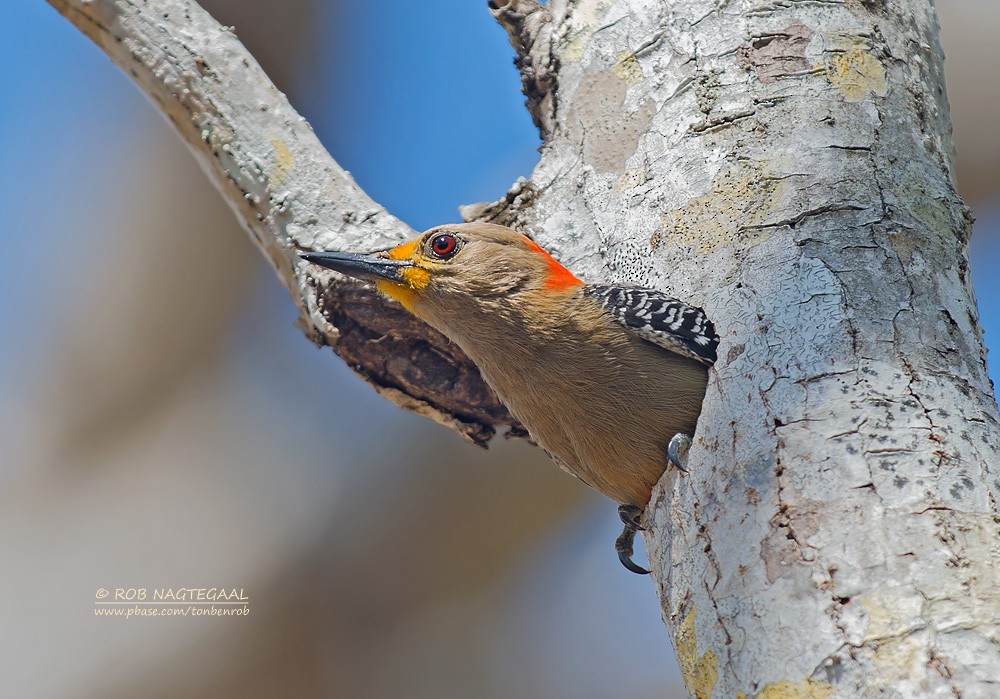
(660, 319)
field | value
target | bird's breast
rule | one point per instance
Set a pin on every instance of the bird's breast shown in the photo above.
(605, 410)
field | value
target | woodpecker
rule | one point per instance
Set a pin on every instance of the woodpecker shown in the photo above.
(608, 380)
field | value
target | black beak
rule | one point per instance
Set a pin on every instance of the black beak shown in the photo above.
(367, 266)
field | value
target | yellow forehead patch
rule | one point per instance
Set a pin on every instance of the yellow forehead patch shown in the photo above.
(413, 277)
(406, 251)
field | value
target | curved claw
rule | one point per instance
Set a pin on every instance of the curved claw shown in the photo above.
(630, 516)
(623, 545)
(677, 451)
(632, 565)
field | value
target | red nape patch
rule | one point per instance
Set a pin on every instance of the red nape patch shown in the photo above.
(559, 277)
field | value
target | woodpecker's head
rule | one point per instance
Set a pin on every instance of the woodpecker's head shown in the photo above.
(449, 273)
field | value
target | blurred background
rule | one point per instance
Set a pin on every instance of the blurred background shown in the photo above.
(163, 424)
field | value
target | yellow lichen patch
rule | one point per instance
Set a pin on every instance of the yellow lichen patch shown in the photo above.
(856, 73)
(892, 613)
(729, 215)
(894, 659)
(700, 673)
(706, 675)
(627, 68)
(573, 51)
(579, 30)
(629, 180)
(806, 689)
(283, 160)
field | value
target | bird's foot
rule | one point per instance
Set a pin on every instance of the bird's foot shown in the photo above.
(630, 515)
(677, 451)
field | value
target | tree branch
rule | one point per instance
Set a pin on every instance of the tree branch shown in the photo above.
(289, 194)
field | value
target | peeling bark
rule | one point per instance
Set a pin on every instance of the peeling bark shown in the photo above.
(785, 165)
(413, 365)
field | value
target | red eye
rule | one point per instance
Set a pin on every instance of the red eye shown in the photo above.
(444, 245)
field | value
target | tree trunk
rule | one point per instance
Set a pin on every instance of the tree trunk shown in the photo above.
(785, 165)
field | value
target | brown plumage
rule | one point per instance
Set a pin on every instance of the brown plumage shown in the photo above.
(602, 377)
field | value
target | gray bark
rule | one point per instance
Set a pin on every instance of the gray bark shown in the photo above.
(786, 165)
